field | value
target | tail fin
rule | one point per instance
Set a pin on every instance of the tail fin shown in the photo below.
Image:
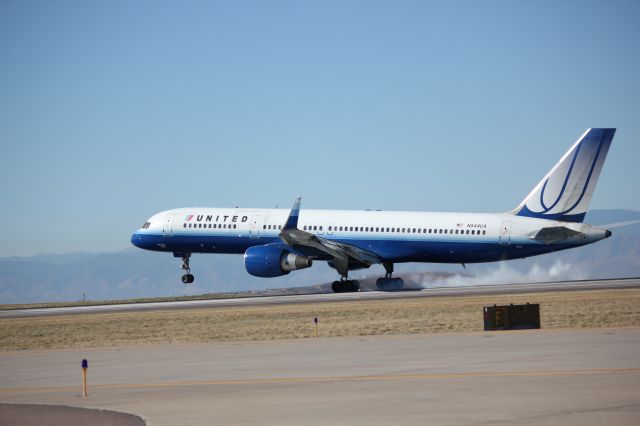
(565, 192)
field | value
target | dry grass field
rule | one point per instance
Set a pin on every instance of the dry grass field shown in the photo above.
(576, 309)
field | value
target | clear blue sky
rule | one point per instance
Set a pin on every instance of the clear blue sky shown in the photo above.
(112, 111)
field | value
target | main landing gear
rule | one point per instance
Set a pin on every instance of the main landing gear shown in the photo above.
(187, 278)
(388, 283)
(345, 286)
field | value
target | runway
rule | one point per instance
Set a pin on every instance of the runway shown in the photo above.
(560, 377)
(332, 297)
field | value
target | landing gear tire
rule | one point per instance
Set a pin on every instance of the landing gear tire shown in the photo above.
(387, 284)
(346, 286)
(187, 278)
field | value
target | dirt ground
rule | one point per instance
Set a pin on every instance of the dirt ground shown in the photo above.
(571, 309)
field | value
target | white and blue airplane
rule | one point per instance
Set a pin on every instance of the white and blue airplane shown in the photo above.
(277, 241)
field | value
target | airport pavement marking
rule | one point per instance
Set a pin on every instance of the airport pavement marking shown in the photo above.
(367, 378)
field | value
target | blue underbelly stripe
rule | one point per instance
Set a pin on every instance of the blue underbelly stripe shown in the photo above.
(454, 250)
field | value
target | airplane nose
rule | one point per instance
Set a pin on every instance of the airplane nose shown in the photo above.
(135, 239)
(607, 234)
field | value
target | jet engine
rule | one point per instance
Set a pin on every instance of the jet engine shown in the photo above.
(272, 260)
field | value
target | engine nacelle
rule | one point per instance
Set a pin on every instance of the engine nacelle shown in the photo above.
(271, 260)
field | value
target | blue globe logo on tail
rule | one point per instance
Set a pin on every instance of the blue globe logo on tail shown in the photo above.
(565, 192)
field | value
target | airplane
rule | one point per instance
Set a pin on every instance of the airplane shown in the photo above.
(277, 241)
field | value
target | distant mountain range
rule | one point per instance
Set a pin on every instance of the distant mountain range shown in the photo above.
(133, 273)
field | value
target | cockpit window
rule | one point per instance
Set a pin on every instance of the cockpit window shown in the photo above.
(146, 225)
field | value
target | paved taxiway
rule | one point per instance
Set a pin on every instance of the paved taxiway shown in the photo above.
(332, 297)
(551, 377)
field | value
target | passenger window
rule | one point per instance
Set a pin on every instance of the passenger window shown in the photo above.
(264, 226)
(484, 232)
(473, 232)
(184, 225)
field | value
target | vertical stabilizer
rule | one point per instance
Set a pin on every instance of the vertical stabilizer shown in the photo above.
(565, 192)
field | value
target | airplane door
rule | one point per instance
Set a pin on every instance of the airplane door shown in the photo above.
(167, 226)
(254, 228)
(505, 234)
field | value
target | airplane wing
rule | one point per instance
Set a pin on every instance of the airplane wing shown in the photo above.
(342, 254)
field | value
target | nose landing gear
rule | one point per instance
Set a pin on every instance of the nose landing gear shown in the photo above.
(187, 278)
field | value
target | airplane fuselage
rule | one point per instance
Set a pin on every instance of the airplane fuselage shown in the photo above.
(395, 236)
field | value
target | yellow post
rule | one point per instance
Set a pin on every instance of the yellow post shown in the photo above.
(85, 366)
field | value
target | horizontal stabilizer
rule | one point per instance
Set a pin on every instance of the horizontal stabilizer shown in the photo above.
(554, 234)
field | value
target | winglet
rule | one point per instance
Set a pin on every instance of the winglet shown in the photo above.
(292, 220)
